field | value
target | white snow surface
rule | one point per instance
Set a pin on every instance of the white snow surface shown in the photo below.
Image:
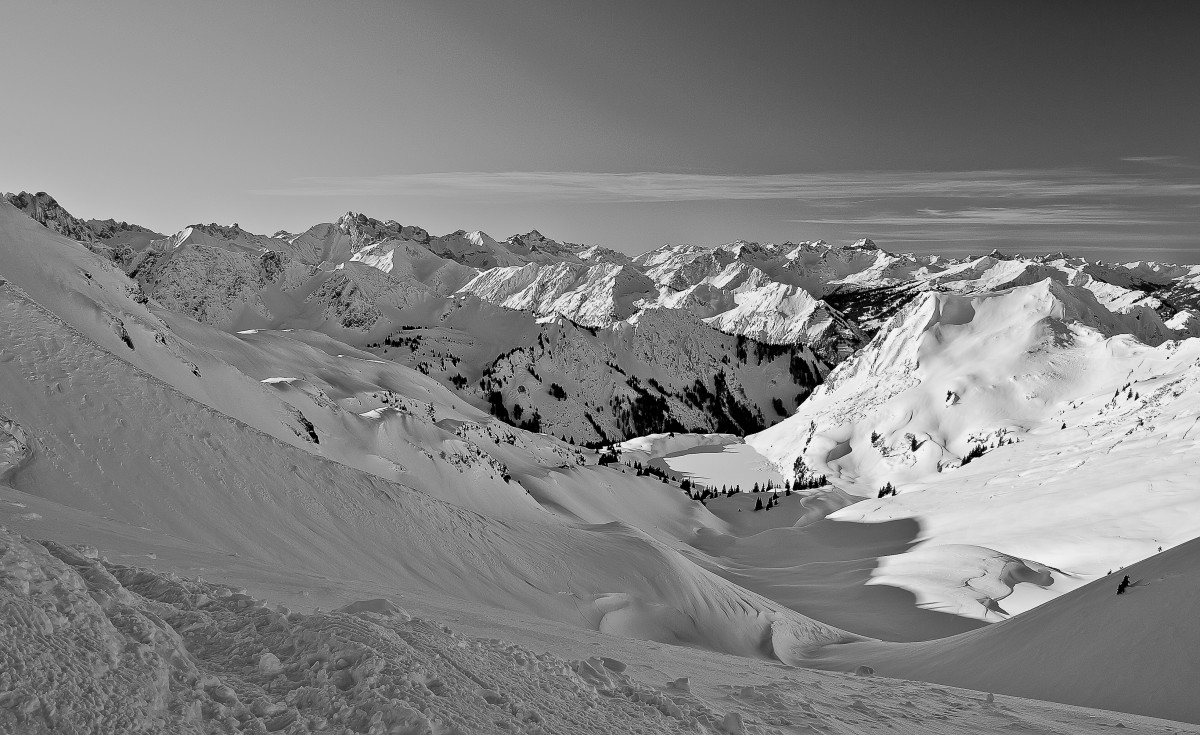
(290, 462)
(136, 651)
(1067, 405)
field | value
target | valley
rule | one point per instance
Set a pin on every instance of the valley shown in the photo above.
(365, 411)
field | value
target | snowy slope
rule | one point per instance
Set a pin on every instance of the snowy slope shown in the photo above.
(594, 296)
(743, 289)
(284, 505)
(285, 502)
(143, 651)
(782, 314)
(1134, 652)
(1059, 397)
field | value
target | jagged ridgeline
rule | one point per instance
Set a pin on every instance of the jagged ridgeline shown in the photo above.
(588, 351)
(586, 343)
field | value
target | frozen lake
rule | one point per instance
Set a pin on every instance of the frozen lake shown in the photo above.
(728, 464)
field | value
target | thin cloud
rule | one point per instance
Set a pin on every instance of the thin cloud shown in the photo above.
(1037, 216)
(589, 187)
(1164, 161)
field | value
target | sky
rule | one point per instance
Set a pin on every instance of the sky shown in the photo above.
(947, 127)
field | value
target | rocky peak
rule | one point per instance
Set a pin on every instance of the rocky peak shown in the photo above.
(49, 213)
(369, 231)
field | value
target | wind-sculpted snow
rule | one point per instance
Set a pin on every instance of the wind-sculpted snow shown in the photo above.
(89, 646)
(93, 646)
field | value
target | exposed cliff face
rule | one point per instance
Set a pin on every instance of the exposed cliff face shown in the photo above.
(100, 235)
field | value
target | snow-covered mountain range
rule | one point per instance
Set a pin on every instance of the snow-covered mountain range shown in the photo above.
(367, 410)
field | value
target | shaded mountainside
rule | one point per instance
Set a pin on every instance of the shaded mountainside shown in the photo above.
(664, 371)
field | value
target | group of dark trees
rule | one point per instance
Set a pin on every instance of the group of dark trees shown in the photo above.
(805, 478)
(699, 492)
(772, 501)
(975, 452)
(886, 490)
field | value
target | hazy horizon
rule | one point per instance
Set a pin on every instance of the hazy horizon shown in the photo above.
(929, 127)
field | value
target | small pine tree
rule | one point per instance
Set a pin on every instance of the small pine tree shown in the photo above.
(758, 504)
(755, 488)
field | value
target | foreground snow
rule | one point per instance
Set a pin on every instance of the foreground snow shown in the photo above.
(135, 651)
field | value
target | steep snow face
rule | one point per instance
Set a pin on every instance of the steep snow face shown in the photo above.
(736, 288)
(1007, 406)
(1009, 348)
(356, 234)
(534, 247)
(231, 237)
(598, 254)
(782, 314)
(594, 296)
(475, 249)
(232, 279)
(679, 267)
